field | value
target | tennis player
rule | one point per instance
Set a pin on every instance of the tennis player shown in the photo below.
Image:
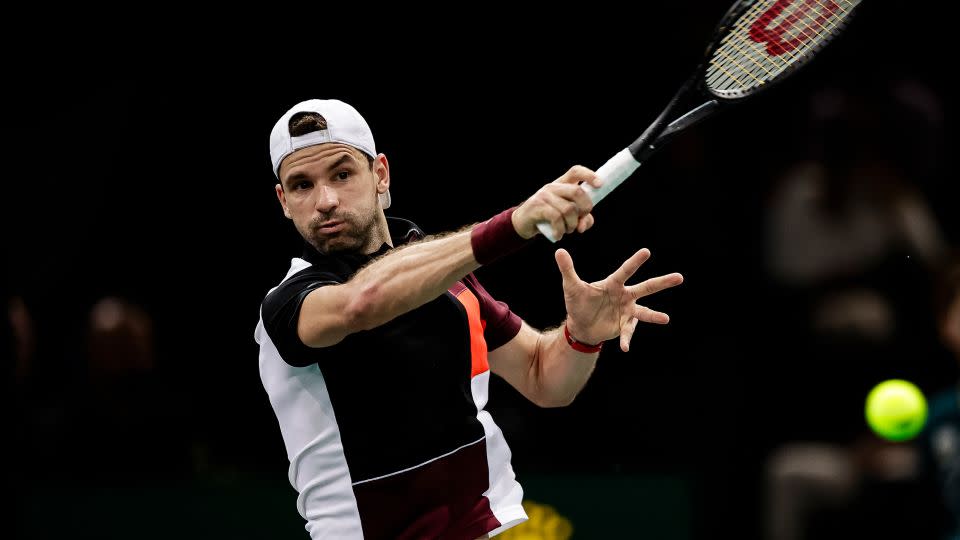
(377, 346)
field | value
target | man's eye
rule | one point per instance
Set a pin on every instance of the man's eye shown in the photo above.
(301, 185)
(343, 175)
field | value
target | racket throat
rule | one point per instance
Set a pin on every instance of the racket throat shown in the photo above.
(642, 148)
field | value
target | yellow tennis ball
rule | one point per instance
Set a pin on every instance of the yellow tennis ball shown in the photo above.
(896, 410)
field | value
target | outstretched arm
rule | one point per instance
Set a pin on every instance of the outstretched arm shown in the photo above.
(399, 282)
(411, 276)
(543, 366)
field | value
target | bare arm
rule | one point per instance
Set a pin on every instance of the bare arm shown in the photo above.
(397, 283)
(411, 276)
(543, 367)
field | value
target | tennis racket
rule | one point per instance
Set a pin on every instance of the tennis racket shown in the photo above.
(757, 43)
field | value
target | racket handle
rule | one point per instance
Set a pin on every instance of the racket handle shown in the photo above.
(612, 174)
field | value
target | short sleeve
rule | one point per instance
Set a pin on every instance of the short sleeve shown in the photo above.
(280, 312)
(502, 325)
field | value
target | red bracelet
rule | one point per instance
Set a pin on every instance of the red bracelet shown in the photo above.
(578, 346)
(495, 238)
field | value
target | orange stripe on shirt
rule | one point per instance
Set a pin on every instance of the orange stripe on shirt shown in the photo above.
(478, 345)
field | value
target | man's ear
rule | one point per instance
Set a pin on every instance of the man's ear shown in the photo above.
(281, 196)
(381, 169)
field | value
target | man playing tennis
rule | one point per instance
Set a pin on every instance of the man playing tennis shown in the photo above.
(376, 348)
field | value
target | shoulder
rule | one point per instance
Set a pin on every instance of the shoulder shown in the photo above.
(302, 278)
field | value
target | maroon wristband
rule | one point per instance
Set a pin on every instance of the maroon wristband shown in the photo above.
(495, 238)
(578, 346)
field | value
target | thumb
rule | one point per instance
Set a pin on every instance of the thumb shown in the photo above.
(565, 264)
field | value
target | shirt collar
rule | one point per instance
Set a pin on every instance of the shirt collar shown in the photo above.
(401, 230)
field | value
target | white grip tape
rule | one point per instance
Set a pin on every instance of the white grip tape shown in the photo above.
(612, 174)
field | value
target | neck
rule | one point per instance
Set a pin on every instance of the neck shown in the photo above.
(379, 235)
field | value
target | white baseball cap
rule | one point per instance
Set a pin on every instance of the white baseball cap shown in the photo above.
(344, 125)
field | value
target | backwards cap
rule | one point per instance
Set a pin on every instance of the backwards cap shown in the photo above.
(344, 125)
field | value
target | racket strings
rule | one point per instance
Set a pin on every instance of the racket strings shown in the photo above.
(728, 39)
(751, 55)
(806, 34)
(815, 35)
(729, 42)
(790, 18)
(779, 66)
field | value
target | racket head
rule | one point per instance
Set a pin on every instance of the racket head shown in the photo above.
(761, 42)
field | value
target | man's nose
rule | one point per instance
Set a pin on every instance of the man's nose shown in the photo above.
(327, 199)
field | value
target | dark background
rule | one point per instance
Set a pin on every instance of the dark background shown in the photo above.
(154, 185)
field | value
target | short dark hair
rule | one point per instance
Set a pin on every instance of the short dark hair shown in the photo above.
(308, 122)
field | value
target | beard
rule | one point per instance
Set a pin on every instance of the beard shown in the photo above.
(352, 236)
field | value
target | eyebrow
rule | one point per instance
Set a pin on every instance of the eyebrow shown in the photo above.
(343, 159)
(346, 158)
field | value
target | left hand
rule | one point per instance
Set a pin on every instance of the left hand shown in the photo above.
(606, 309)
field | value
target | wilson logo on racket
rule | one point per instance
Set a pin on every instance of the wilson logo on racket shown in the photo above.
(795, 33)
(757, 44)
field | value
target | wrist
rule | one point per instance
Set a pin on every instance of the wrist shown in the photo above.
(580, 346)
(495, 238)
(519, 228)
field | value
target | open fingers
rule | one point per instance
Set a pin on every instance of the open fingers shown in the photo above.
(565, 264)
(630, 266)
(639, 314)
(654, 285)
(626, 334)
(647, 315)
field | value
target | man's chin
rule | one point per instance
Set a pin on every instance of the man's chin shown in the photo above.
(336, 244)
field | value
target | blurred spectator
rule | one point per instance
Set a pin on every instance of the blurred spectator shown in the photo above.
(13, 329)
(850, 243)
(24, 340)
(807, 481)
(129, 420)
(843, 489)
(120, 340)
(842, 215)
(851, 248)
(940, 440)
(115, 420)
